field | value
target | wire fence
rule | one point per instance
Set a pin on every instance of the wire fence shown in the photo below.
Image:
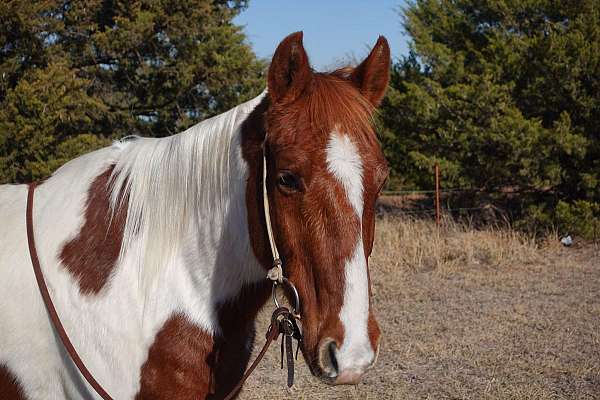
(477, 205)
(432, 210)
(409, 192)
(439, 198)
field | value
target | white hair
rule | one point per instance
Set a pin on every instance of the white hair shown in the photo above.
(170, 183)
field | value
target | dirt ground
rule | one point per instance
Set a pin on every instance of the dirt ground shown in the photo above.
(489, 316)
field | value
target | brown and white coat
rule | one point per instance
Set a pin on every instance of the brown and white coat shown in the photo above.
(155, 250)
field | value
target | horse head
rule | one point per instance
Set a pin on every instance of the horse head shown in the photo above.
(325, 169)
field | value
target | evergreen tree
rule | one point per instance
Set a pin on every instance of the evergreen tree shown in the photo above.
(502, 94)
(76, 74)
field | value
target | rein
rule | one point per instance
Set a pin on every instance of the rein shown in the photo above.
(39, 276)
(283, 321)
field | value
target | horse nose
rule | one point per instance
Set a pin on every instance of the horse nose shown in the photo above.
(335, 370)
(349, 377)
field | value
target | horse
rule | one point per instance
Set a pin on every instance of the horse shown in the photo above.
(155, 251)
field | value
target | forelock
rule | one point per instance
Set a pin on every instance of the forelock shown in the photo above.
(331, 102)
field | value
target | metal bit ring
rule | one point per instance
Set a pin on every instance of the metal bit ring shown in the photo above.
(296, 305)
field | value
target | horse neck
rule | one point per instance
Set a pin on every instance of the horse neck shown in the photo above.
(203, 227)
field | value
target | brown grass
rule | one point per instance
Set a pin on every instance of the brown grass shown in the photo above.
(469, 314)
(413, 245)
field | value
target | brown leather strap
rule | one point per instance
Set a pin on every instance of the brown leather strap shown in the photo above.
(272, 335)
(50, 306)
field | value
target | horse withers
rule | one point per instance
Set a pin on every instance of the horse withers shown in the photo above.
(155, 251)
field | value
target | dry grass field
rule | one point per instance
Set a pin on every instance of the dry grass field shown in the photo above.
(469, 314)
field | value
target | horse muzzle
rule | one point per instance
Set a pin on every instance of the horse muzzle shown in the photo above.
(344, 368)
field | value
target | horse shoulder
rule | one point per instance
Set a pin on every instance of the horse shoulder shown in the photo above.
(186, 362)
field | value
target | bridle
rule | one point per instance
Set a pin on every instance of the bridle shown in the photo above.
(283, 320)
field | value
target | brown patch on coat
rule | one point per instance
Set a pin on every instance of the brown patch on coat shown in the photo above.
(10, 387)
(316, 229)
(91, 256)
(185, 362)
(234, 345)
(179, 364)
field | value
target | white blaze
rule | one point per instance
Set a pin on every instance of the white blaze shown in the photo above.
(345, 164)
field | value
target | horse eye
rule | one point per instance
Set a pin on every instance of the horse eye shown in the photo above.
(288, 181)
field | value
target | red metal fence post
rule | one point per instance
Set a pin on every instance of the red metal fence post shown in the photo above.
(437, 194)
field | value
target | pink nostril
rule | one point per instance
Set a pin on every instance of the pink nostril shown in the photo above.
(349, 377)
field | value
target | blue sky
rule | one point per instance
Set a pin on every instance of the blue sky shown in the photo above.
(334, 30)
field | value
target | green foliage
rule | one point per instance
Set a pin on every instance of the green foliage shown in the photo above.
(503, 94)
(47, 119)
(582, 217)
(74, 75)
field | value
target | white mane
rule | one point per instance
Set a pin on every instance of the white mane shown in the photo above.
(174, 183)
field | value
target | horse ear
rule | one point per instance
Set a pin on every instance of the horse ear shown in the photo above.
(290, 70)
(373, 74)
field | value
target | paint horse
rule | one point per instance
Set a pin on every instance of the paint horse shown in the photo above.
(155, 251)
